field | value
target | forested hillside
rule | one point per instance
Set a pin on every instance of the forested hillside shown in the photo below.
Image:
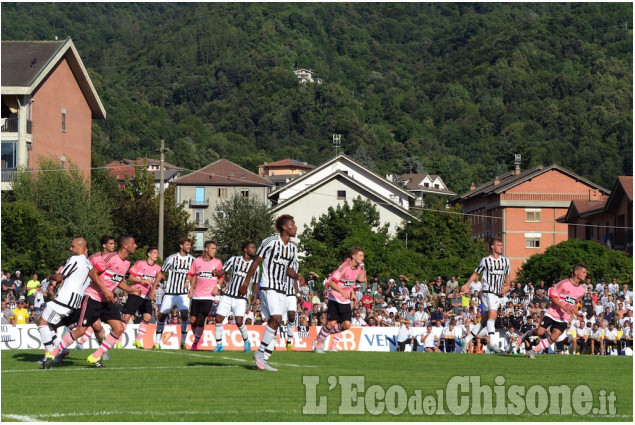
(454, 89)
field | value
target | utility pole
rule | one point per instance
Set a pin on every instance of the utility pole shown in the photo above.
(337, 141)
(162, 151)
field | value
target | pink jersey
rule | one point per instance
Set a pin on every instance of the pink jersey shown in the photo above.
(112, 271)
(345, 277)
(568, 293)
(142, 270)
(205, 280)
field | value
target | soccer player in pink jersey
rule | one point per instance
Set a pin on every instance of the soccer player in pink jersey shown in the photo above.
(144, 274)
(563, 299)
(99, 302)
(342, 282)
(203, 288)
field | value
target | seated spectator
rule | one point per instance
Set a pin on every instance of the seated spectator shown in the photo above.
(611, 341)
(8, 317)
(437, 287)
(450, 335)
(451, 285)
(608, 315)
(358, 321)
(421, 315)
(430, 340)
(511, 338)
(627, 336)
(582, 338)
(405, 335)
(597, 340)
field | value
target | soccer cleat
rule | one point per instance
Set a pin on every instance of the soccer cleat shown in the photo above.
(247, 348)
(509, 349)
(260, 361)
(156, 347)
(47, 361)
(494, 349)
(531, 354)
(105, 357)
(219, 348)
(333, 350)
(318, 349)
(314, 344)
(183, 347)
(58, 359)
(137, 344)
(79, 347)
(95, 362)
(270, 368)
(289, 346)
(194, 346)
(118, 346)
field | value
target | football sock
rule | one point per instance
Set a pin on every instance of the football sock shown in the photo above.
(198, 333)
(67, 340)
(269, 349)
(491, 327)
(46, 336)
(335, 340)
(219, 334)
(268, 336)
(159, 332)
(110, 340)
(143, 326)
(184, 331)
(543, 344)
(324, 332)
(243, 332)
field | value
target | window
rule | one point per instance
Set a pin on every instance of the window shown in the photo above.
(222, 192)
(199, 241)
(532, 240)
(532, 215)
(341, 194)
(199, 218)
(221, 213)
(9, 157)
(436, 186)
(200, 195)
(244, 193)
(426, 185)
(64, 120)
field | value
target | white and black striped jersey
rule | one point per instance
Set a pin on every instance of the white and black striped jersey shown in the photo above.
(177, 266)
(494, 271)
(76, 280)
(276, 259)
(290, 286)
(238, 268)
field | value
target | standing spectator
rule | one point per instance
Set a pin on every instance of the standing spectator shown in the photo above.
(421, 316)
(374, 284)
(8, 286)
(31, 288)
(614, 287)
(451, 285)
(391, 290)
(19, 284)
(8, 317)
(21, 313)
(405, 336)
(528, 289)
(424, 290)
(38, 298)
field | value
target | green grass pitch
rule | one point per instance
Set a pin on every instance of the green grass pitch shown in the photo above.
(186, 386)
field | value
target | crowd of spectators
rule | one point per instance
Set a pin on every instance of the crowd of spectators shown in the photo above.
(446, 311)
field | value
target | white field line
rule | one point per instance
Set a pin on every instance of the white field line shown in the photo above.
(39, 417)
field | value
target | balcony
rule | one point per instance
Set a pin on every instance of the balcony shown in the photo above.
(199, 203)
(8, 174)
(11, 125)
(201, 224)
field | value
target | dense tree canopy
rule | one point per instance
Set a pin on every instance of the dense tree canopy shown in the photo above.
(455, 88)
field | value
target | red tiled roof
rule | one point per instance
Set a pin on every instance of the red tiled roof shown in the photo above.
(627, 184)
(225, 173)
(288, 163)
(125, 169)
(584, 206)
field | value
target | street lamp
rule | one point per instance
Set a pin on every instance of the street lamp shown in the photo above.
(407, 223)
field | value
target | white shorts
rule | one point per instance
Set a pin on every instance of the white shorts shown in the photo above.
(291, 303)
(182, 302)
(272, 303)
(53, 313)
(490, 301)
(236, 306)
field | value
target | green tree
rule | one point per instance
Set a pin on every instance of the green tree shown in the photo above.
(238, 220)
(557, 262)
(66, 203)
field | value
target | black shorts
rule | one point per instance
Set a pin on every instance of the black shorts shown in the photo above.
(339, 312)
(548, 323)
(91, 310)
(136, 303)
(201, 307)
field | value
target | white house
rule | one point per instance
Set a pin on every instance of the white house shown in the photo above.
(306, 76)
(338, 180)
(422, 185)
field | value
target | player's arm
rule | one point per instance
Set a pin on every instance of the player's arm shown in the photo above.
(129, 289)
(472, 278)
(153, 291)
(250, 273)
(217, 290)
(335, 287)
(294, 275)
(508, 284)
(94, 276)
(190, 284)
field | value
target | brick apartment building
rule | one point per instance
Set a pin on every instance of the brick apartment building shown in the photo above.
(523, 207)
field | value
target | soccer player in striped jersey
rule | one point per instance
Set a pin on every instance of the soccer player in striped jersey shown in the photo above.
(341, 284)
(563, 303)
(496, 272)
(144, 275)
(203, 288)
(107, 274)
(108, 246)
(176, 288)
(231, 301)
(69, 297)
(291, 306)
(277, 254)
